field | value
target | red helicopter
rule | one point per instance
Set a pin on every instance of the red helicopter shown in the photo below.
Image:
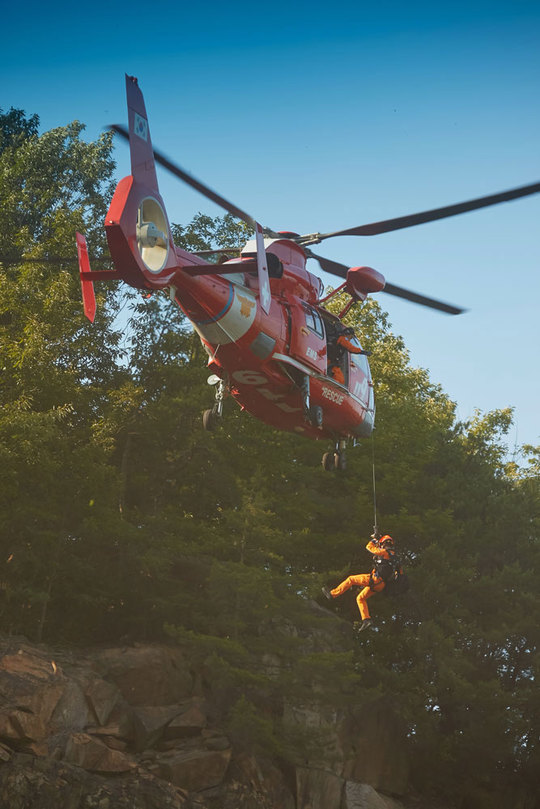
(260, 316)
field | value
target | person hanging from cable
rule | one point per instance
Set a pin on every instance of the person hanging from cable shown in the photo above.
(384, 568)
(339, 345)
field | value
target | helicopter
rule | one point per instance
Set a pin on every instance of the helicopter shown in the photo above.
(261, 316)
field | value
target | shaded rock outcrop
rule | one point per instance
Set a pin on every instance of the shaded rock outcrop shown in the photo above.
(137, 726)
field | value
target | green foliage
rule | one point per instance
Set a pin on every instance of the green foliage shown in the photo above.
(250, 731)
(50, 186)
(207, 233)
(120, 516)
(15, 128)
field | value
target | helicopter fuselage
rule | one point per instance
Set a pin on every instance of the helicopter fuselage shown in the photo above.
(275, 363)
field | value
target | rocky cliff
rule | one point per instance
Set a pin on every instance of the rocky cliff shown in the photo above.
(137, 726)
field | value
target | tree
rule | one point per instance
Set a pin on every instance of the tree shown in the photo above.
(15, 127)
(50, 186)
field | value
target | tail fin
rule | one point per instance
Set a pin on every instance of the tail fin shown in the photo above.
(143, 167)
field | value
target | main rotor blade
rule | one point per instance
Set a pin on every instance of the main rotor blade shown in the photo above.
(187, 178)
(326, 264)
(414, 297)
(334, 268)
(400, 222)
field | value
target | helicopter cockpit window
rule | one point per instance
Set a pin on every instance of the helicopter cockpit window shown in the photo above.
(314, 321)
(359, 360)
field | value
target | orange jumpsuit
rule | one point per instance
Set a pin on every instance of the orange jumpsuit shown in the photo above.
(342, 341)
(370, 582)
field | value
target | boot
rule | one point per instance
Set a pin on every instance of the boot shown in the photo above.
(327, 594)
(365, 623)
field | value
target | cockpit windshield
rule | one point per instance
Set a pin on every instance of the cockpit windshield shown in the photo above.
(360, 360)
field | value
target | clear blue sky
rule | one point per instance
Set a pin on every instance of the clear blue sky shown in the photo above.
(320, 116)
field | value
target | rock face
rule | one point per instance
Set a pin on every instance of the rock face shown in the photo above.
(133, 727)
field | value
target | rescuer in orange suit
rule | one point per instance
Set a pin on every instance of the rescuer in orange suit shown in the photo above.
(370, 583)
(336, 352)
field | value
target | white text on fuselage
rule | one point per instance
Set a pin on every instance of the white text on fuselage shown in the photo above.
(333, 395)
(361, 389)
(258, 380)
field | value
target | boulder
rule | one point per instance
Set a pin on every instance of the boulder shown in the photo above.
(28, 662)
(91, 754)
(363, 796)
(195, 770)
(48, 784)
(147, 675)
(122, 729)
(5, 752)
(214, 739)
(27, 726)
(190, 720)
(30, 681)
(72, 711)
(102, 698)
(149, 724)
(256, 782)
(318, 789)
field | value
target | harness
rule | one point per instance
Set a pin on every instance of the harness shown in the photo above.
(386, 568)
(390, 571)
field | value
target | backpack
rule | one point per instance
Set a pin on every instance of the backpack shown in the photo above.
(391, 572)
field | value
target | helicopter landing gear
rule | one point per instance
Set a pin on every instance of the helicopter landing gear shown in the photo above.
(211, 418)
(328, 461)
(336, 459)
(312, 413)
(315, 416)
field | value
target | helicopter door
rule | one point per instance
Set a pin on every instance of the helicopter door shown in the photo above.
(359, 383)
(308, 339)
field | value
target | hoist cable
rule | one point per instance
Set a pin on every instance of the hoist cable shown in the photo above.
(375, 531)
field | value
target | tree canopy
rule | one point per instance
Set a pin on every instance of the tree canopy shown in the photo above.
(120, 516)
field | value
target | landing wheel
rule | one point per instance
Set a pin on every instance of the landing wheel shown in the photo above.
(315, 416)
(340, 461)
(210, 420)
(328, 461)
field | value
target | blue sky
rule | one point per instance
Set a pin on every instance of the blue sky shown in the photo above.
(317, 116)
